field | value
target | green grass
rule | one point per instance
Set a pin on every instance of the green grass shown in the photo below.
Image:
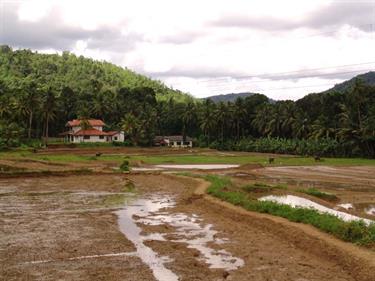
(128, 187)
(261, 187)
(249, 159)
(317, 193)
(66, 158)
(355, 231)
(190, 159)
(115, 200)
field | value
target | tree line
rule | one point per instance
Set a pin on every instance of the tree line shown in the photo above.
(39, 93)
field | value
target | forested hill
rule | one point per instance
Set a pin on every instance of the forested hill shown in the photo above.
(82, 75)
(367, 78)
(229, 97)
(40, 93)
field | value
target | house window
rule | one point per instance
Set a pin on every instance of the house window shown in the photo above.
(86, 137)
(101, 137)
(178, 143)
(115, 138)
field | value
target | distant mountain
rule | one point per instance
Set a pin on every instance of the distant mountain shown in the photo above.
(233, 96)
(368, 78)
(229, 97)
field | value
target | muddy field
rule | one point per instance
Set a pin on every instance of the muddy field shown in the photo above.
(353, 186)
(87, 221)
(68, 228)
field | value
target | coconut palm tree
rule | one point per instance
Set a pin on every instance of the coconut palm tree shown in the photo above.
(221, 116)
(49, 110)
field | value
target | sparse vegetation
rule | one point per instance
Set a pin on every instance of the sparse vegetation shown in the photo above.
(317, 193)
(115, 200)
(355, 231)
(124, 166)
(248, 159)
(129, 186)
(261, 187)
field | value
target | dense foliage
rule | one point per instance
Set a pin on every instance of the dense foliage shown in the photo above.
(39, 93)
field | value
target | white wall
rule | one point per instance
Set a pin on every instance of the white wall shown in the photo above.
(182, 144)
(77, 128)
(78, 139)
(120, 137)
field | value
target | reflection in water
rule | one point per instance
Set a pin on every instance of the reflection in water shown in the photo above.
(133, 233)
(296, 201)
(370, 210)
(347, 206)
(199, 166)
(188, 230)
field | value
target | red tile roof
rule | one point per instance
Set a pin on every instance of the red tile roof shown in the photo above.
(90, 132)
(92, 122)
(112, 133)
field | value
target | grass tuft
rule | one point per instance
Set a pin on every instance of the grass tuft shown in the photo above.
(355, 231)
(317, 193)
(261, 187)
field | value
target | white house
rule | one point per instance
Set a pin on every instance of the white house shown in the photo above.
(92, 133)
(173, 141)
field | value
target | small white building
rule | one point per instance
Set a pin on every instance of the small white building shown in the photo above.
(173, 141)
(93, 132)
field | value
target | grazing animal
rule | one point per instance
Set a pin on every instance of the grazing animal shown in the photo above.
(271, 160)
(98, 154)
(317, 158)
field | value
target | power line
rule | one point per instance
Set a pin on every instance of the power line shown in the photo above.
(359, 71)
(265, 75)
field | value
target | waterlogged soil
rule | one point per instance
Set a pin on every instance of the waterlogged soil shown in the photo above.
(69, 228)
(300, 202)
(353, 186)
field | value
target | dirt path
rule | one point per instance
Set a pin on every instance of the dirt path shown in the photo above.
(65, 228)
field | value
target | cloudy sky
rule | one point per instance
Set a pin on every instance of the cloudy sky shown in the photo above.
(284, 49)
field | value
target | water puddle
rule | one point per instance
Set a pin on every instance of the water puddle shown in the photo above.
(346, 206)
(198, 166)
(370, 210)
(145, 169)
(296, 201)
(189, 230)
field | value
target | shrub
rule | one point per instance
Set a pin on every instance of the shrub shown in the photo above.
(261, 187)
(124, 166)
(317, 193)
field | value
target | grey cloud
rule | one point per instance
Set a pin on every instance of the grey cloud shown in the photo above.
(355, 13)
(223, 75)
(360, 14)
(198, 72)
(182, 37)
(51, 32)
(263, 23)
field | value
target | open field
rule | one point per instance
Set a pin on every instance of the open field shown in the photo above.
(71, 215)
(176, 156)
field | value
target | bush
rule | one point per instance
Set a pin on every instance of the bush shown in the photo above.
(317, 193)
(321, 147)
(124, 143)
(261, 187)
(124, 166)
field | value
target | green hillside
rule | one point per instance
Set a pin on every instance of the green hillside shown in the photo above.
(82, 75)
(367, 78)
